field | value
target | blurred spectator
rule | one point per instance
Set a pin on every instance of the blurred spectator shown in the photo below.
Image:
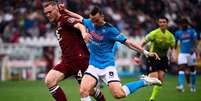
(23, 18)
(48, 54)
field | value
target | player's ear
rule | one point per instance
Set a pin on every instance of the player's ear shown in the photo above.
(57, 8)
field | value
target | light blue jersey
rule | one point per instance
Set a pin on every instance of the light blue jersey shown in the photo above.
(186, 38)
(102, 47)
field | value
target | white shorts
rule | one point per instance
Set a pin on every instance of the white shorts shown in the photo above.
(186, 58)
(107, 75)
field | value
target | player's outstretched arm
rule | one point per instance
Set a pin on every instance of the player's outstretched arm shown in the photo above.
(137, 47)
(196, 49)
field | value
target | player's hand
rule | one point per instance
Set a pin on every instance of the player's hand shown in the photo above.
(61, 6)
(153, 54)
(87, 37)
(173, 56)
(63, 9)
(198, 56)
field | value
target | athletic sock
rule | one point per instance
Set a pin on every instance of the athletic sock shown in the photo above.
(181, 79)
(193, 79)
(98, 95)
(187, 76)
(155, 92)
(57, 93)
(132, 87)
(86, 98)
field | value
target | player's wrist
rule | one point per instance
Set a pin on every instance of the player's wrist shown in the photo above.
(145, 52)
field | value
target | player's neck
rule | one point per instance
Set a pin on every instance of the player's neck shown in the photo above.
(163, 30)
(101, 23)
(57, 18)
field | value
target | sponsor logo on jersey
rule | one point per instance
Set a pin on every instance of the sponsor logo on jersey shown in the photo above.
(97, 36)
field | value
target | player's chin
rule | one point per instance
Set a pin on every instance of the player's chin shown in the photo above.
(163, 27)
(51, 20)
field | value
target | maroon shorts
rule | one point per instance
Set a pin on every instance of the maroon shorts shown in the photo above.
(75, 68)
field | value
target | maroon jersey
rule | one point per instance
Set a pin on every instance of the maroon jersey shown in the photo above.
(70, 39)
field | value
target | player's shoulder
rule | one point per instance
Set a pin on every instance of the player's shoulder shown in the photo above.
(109, 25)
(178, 32)
(169, 33)
(86, 20)
(68, 20)
(155, 31)
(111, 28)
(191, 30)
(88, 23)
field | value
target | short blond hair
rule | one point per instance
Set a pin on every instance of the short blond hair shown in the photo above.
(49, 2)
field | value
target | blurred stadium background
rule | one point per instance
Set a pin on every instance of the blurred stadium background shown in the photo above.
(28, 46)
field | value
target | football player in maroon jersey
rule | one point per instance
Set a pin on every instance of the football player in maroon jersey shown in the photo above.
(75, 56)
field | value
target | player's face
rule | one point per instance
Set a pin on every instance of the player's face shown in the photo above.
(162, 23)
(51, 13)
(184, 25)
(97, 19)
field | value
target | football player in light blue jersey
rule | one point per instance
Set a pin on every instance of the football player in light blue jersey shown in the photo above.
(102, 58)
(187, 38)
(102, 43)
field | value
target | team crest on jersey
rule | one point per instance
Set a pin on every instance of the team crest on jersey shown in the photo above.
(111, 74)
(71, 20)
(79, 74)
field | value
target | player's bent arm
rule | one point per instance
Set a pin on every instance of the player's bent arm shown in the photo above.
(137, 47)
(195, 48)
(83, 30)
(70, 13)
(75, 15)
(133, 46)
(176, 44)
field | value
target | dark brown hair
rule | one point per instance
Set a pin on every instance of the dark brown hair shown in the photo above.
(96, 10)
(163, 17)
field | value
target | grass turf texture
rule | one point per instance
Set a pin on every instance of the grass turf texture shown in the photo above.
(37, 91)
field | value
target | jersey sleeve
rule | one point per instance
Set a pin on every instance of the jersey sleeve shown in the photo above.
(149, 37)
(176, 35)
(172, 40)
(194, 34)
(69, 21)
(115, 35)
(88, 23)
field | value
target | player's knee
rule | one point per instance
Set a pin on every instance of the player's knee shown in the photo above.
(181, 72)
(92, 92)
(118, 95)
(192, 69)
(84, 91)
(50, 82)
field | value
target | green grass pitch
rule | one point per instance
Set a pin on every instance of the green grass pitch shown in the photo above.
(36, 91)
